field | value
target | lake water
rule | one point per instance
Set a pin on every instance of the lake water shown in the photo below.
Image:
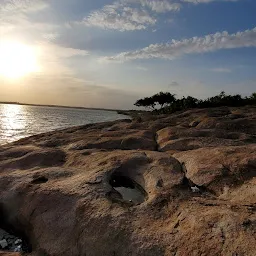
(19, 121)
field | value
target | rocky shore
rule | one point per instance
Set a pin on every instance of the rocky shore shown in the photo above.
(180, 184)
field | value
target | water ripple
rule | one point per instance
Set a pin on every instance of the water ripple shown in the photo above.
(19, 121)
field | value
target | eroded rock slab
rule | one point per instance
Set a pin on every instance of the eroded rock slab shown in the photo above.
(105, 189)
(220, 169)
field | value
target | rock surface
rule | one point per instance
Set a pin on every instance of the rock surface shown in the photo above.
(194, 173)
(9, 254)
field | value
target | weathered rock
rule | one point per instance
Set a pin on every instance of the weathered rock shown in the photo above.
(217, 168)
(104, 189)
(183, 139)
(3, 244)
(194, 123)
(9, 254)
(10, 242)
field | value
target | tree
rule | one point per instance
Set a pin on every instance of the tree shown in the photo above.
(147, 102)
(163, 99)
(169, 104)
(190, 102)
(253, 98)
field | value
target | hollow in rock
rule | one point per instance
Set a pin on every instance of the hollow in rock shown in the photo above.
(12, 235)
(130, 190)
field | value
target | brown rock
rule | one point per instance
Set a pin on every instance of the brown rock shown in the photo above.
(183, 139)
(9, 254)
(104, 189)
(216, 168)
(194, 123)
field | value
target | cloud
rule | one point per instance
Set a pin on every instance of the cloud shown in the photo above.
(52, 58)
(206, 1)
(175, 49)
(130, 15)
(17, 6)
(117, 16)
(158, 6)
(15, 21)
(174, 84)
(62, 52)
(141, 68)
(51, 36)
(221, 70)
(59, 89)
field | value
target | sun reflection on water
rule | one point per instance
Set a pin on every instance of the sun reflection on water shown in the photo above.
(20, 121)
(12, 123)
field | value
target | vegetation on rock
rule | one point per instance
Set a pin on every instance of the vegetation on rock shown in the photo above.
(165, 102)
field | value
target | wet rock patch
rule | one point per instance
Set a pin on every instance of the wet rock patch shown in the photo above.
(129, 190)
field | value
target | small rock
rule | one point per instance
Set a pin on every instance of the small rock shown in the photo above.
(194, 123)
(195, 189)
(18, 249)
(8, 236)
(1, 236)
(3, 243)
(18, 241)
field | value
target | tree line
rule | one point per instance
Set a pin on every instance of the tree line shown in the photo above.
(165, 102)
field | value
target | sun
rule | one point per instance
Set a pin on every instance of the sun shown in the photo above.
(17, 60)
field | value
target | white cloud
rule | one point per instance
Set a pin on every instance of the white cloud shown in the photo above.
(51, 58)
(62, 52)
(129, 15)
(175, 49)
(14, 17)
(17, 6)
(174, 84)
(158, 6)
(117, 16)
(51, 36)
(17, 23)
(141, 68)
(221, 70)
(206, 1)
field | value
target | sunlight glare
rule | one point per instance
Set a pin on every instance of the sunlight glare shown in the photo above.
(13, 122)
(17, 60)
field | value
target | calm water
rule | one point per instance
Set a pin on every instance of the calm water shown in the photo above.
(19, 121)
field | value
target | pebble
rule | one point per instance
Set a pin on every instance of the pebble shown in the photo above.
(10, 242)
(195, 189)
(18, 248)
(18, 241)
(3, 243)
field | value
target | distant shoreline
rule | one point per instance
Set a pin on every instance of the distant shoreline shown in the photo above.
(58, 106)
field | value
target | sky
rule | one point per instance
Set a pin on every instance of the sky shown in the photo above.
(108, 54)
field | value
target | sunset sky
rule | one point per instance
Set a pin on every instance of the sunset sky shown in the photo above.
(99, 53)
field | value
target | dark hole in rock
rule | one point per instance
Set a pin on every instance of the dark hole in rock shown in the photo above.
(130, 190)
(39, 180)
(12, 237)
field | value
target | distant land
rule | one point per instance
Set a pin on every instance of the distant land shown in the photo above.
(59, 106)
